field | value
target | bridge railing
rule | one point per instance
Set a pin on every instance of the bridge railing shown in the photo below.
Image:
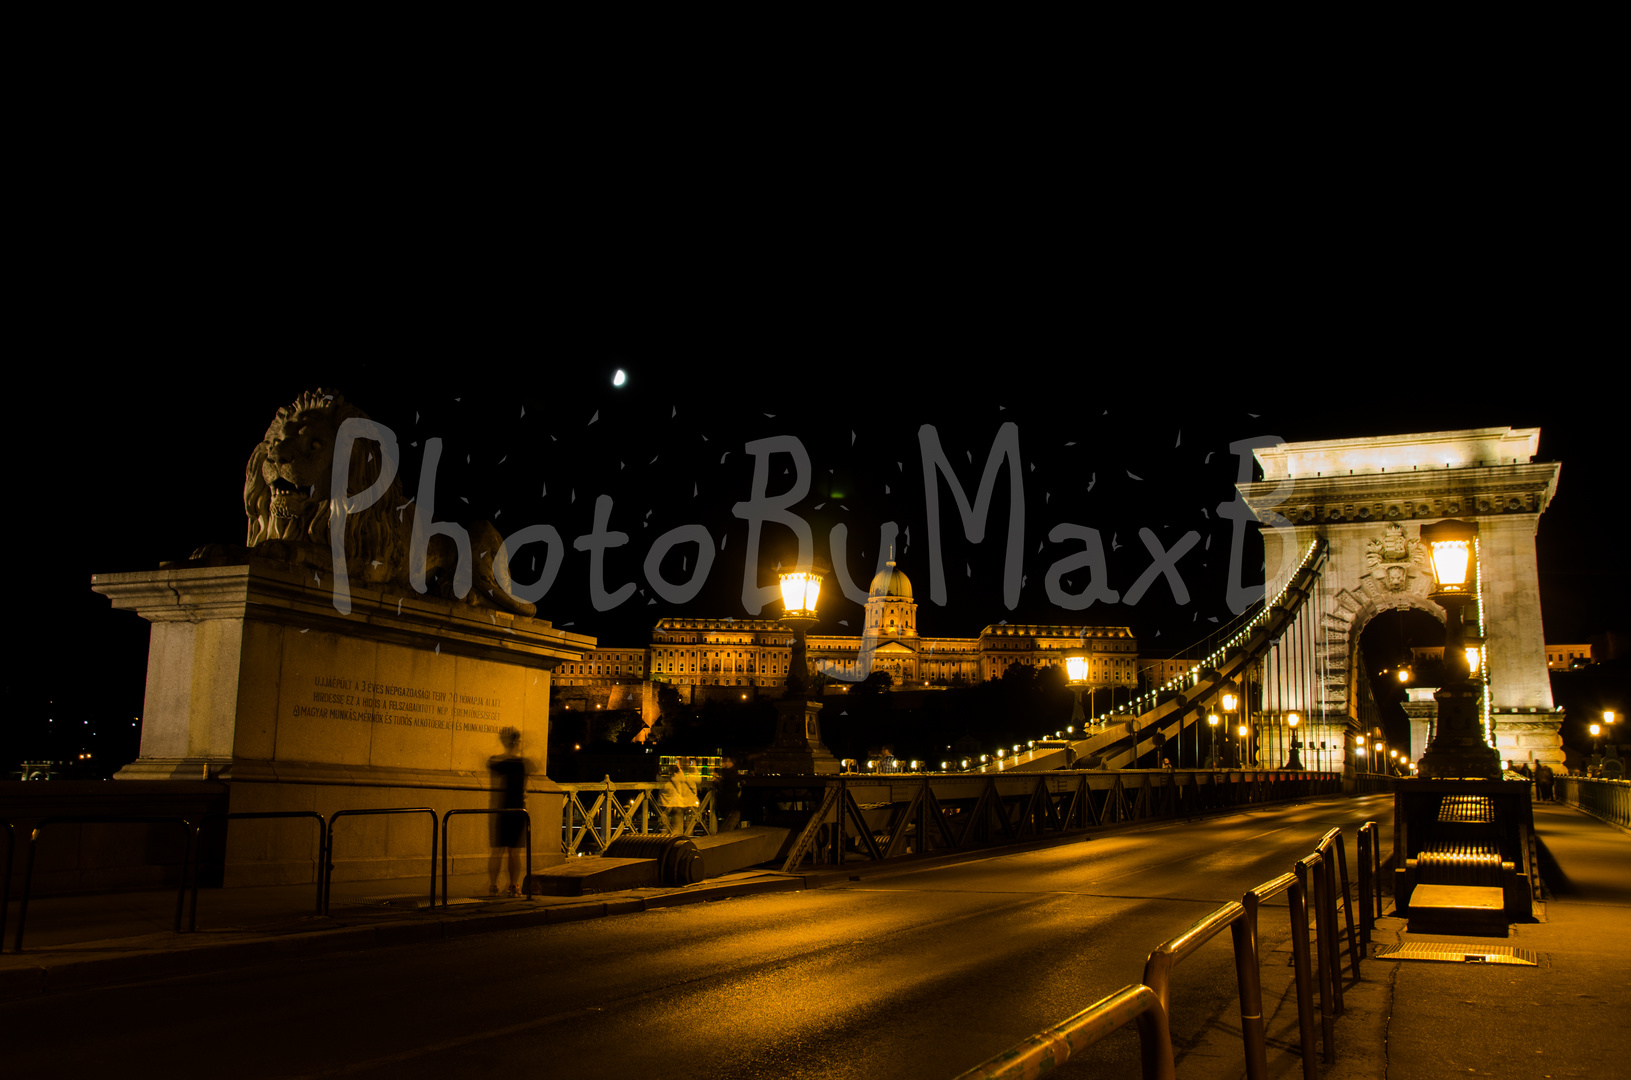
(593, 815)
(850, 817)
(1149, 1002)
(1609, 800)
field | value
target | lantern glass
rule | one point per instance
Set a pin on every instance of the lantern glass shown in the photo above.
(1450, 558)
(1228, 702)
(1293, 719)
(800, 591)
(1076, 666)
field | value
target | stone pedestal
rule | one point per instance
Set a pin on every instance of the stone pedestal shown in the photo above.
(798, 749)
(255, 679)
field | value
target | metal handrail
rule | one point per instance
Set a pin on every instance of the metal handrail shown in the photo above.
(1165, 956)
(1313, 866)
(322, 837)
(328, 861)
(598, 817)
(190, 835)
(1609, 800)
(1047, 1050)
(474, 810)
(1253, 1033)
(1330, 840)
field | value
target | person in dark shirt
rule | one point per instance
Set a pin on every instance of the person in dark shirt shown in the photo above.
(728, 796)
(509, 771)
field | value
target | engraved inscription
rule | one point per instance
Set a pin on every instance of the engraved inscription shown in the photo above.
(337, 697)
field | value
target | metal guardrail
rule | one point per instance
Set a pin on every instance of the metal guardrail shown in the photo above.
(1046, 1050)
(445, 869)
(322, 846)
(190, 836)
(617, 809)
(1609, 800)
(1368, 848)
(328, 859)
(1150, 1002)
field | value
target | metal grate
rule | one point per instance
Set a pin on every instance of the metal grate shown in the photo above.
(1476, 808)
(1454, 952)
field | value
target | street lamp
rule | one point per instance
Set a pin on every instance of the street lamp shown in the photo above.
(798, 747)
(1076, 668)
(1458, 748)
(1212, 741)
(1359, 753)
(1229, 701)
(1294, 761)
(1245, 749)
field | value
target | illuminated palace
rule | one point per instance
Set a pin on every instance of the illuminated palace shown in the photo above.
(705, 653)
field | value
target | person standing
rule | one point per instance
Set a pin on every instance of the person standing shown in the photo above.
(678, 796)
(728, 796)
(509, 772)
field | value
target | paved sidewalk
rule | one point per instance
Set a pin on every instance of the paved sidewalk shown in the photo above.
(1567, 1017)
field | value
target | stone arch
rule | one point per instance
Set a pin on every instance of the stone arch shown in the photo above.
(1355, 610)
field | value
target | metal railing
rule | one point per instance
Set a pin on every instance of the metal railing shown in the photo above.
(328, 860)
(249, 815)
(615, 809)
(1609, 800)
(189, 833)
(1150, 1001)
(445, 869)
(1046, 1050)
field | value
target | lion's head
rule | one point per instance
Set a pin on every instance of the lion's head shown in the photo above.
(288, 487)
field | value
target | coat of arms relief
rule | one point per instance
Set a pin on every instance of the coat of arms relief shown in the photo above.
(1396, 564)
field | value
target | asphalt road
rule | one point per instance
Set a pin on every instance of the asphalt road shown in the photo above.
(912, 974)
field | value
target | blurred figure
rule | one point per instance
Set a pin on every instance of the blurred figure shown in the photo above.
(728, 796)
(509, 771)
(678, 796)
(1543, 781)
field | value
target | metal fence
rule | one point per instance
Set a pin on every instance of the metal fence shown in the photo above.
(593, 815)
(1149, 1002)
(1609, 800)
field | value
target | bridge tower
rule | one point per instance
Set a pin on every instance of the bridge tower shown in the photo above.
(1369, 499)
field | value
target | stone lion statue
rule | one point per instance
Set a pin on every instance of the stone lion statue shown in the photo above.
(289, 490)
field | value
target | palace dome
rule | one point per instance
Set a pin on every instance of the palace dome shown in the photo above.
(890, 582)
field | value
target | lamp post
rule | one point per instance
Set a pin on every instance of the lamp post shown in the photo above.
(1458, 748)
(1359, 753)
(1076, 669)
(1244, 733)
(1294, 761)
(798, 747)
(1229, 701)
(1212, 741)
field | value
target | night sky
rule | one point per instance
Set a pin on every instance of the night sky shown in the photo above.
(1120, 437)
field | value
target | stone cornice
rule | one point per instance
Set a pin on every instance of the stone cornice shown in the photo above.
(274, 593)
(1416, 494)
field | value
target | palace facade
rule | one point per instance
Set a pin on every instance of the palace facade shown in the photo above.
(692, 653)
